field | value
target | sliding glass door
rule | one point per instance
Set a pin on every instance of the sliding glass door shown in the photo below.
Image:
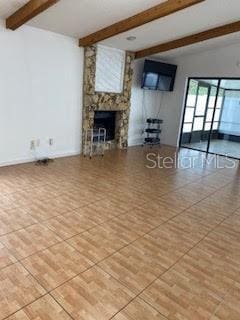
(198, 115)
(211, 121)
(225, 137)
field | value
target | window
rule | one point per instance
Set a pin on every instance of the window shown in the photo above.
(217, 114)
(207, 126)
(220, 98)
(209, 115)
(192, 93)
(201, 104)
(198, 124)
(189, 113)
(187, 127)
(211, 120)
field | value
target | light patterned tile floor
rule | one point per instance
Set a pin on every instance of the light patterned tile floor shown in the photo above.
(109, 238)
(13, 220)
(56, 265)
(230, 307)
(26, 242)
(43, 308)
(138, 310)
(70, 224)
(6, 258)
(17, 289)
(100, 294)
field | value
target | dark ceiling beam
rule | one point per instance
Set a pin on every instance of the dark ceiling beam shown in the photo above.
(30, 10)
(162, 10)
(189, 40)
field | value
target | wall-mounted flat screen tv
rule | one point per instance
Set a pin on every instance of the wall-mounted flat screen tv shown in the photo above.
(158, 76)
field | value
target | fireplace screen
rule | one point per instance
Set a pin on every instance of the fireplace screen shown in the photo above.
(107, 120)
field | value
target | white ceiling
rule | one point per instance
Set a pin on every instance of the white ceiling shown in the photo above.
(200, 17)
(224, 41)
(78, 18)
(7, 7)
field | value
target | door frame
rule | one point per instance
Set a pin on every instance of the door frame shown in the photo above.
(200, 85)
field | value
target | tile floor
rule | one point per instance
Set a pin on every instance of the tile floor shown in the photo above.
(109, 238)
(231, 148)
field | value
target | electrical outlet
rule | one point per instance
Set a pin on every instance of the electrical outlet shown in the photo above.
(51, 141)
(32, 145)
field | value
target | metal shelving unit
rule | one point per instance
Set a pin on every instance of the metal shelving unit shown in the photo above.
(153, 131)
(95, 142)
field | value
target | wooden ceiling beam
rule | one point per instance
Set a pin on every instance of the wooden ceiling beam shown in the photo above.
(189, 40)
(162, 10)
(30, 10)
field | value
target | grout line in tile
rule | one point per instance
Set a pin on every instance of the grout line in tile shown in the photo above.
(61, 306)
(20, 229)
(120, 215)
(19, 260)
(47, 292)
(222, 301)
(28, 304)
(130, 243)
(138, 295)
(212, 230)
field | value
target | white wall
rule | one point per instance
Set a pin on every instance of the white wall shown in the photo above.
(40, 94)
(221, 62)
(41, 77)
(144, 104)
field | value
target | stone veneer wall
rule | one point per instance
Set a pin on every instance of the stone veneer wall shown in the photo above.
(101, 101)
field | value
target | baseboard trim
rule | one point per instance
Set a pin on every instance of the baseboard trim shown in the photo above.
(29, 160)
(136, 142)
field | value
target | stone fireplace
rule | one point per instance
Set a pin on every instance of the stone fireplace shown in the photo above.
(93, 102)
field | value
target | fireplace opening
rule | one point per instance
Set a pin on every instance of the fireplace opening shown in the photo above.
(107, 120)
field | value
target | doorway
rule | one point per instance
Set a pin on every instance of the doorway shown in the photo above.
(211, 121)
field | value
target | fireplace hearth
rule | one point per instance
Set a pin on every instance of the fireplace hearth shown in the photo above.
(106, 120)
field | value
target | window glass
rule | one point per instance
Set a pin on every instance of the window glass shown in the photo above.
(189, 113)
(192, 93)
(212, 98)
(217, 115)
(202, 101)
(198, 124)
(187, 127)
(207, 126)
(220, 98)
(209, 115)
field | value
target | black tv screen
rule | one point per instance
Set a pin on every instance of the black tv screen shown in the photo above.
(158, 76)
